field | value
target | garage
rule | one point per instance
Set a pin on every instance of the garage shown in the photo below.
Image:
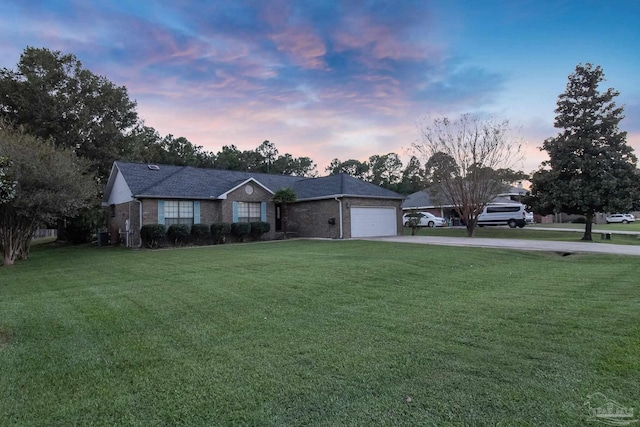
(373, 221)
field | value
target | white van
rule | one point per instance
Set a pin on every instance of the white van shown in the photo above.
(513, 215)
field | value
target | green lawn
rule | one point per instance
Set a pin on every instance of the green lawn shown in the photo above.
(635, 226)
(316, 333)
(534, 233)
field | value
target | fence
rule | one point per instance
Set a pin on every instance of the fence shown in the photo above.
(45, 232)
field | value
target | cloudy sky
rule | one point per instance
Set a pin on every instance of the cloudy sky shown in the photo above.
(345, 79)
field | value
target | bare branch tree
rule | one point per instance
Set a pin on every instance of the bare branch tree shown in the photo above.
(472, 160)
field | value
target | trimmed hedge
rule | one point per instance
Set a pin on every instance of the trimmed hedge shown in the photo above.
(200, 232)
(178, 233)
(220, 231)
(241, 230)
(259, 228)
(152, 234)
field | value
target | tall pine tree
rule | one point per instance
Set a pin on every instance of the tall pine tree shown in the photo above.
(590, 168)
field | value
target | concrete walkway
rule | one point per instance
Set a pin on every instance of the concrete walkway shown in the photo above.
(527, 245)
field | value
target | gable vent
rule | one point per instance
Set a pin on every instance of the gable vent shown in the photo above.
(153, 167)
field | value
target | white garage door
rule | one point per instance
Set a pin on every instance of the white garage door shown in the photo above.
(373, 221)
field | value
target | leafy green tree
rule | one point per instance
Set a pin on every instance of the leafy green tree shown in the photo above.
(412, 177)
(181, 152)
(54, 97)
(352, 167)
(296, 166)
(284, 197)
(467, 160)
(51, 183)
(269, 153)
(440, 166)
(590, 168)
(7, 185)
(231, 158)
(147, 144)
(385, 170)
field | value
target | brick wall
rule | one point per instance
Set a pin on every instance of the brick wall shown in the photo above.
(355, 202)
(116, 223)
(258, 195)
(311, 219)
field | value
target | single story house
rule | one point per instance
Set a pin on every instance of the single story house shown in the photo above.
(335, 206)
(424, 201)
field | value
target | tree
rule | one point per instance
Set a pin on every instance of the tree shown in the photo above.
(230, 158)
(181, 152)
(412, 177)
(284, 197)
(7, 185)
(590, 168)
(51, 183)
(352, 167)
(54, 97)
(467, 158)
(296, 166)
(385, 170)
(269, 154)
(147, 144)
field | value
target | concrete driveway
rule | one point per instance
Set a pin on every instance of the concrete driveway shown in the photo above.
(527, 245)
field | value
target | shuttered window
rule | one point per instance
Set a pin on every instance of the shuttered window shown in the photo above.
(249, 211)
(178, 212)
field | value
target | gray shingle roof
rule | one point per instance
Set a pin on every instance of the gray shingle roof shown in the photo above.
(188, 182)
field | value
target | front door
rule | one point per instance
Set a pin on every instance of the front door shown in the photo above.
(278, 217)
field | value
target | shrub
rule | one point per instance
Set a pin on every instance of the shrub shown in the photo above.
(241, 230)
(152, 234)
(78, 231)
(579, 220)
(413, 220)
(259, 228)
(178, 233)
(199, 232)
(220, 231)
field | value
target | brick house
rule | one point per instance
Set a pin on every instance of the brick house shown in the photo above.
(336, 206)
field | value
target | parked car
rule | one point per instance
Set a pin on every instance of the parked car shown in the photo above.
(623, 218)
(427, 220)
(512, 215)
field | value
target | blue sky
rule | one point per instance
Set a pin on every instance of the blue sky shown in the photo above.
(345, 79)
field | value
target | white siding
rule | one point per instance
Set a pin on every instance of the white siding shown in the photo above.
(120, 193)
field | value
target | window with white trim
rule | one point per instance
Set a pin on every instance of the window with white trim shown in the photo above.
(249, 211)
(178, 212)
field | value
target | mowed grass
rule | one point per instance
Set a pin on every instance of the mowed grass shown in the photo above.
(533, 232)
(316, 333)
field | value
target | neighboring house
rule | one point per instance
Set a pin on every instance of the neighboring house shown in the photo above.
(336, 206)
(423, 201)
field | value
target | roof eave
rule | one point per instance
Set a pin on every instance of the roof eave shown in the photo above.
(333, 196)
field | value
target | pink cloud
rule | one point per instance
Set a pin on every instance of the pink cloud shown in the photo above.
(302, 46)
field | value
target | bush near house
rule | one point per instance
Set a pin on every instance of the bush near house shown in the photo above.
(200, 233)
(178, 234)
(259, 228)
(152, 235)
(241, 230)
(220, 231)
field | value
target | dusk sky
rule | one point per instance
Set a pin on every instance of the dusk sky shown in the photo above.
(345, 79)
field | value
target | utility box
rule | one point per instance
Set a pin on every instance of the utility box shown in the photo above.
(104, 238)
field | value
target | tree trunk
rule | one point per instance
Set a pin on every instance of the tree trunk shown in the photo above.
(471, 226)
(588, 227)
